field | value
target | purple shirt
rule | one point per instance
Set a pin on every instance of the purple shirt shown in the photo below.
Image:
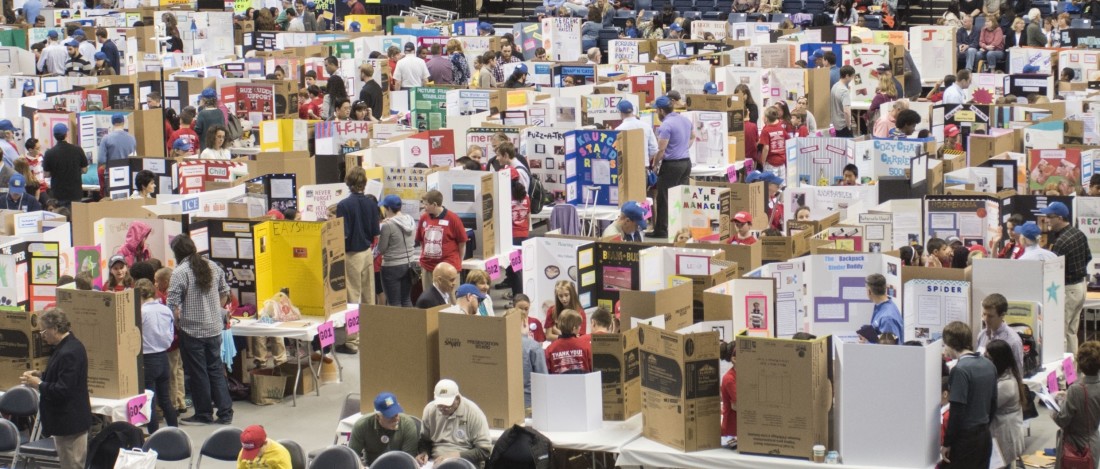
(439, 69)
(677, 130)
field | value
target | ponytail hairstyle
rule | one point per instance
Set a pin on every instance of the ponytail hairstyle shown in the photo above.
(727, 351)
(145, 289)
(185, 250)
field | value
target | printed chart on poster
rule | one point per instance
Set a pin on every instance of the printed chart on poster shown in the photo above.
(931, 304)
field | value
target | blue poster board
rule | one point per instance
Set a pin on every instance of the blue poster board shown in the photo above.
(592, 167)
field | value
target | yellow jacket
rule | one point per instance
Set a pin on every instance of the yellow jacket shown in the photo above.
(272, 456)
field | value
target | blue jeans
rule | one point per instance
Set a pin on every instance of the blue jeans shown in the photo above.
(993, 58)
(396, 285)
(202, 360)
(969, 58)
(156, 378)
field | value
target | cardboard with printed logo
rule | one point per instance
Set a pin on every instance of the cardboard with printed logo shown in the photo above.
(109, 326)
(307, 258)
(18, 335)
(786, 385)
(406, 340)
(615, 356)
(680, 381)
(484, 356)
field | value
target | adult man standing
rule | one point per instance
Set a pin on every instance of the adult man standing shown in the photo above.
(63, 164)
(440, 234)
(454, 427)
(411, 71)
(65, 406)
(116, 145)
(87, 48)
(109, 48)
(1029, 238)
(841, 102)
(361, 227)
(1070, 242)
(630, 121)
(830, 62)
(77, 65)
(197, 295)
(967, 442)
(387, 429)
(54, 56)
(671, 163)
(994, 308)
(886, 316)
(956, 93)
(439, 67)
(31, 8)
(439, 292)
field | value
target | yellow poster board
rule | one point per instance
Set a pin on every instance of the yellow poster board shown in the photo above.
(305, 257)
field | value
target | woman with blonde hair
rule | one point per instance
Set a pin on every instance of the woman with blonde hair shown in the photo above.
(885, 93)
(460, 67)
(565, 297)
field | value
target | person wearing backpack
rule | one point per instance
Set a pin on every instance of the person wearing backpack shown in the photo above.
(211, 115)
(1079, 415)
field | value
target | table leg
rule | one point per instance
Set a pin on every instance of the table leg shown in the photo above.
(317, 372)
(339, 370)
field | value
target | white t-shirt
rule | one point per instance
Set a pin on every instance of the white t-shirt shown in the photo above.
(411, 72)
(212, 154)
(954, 95)
(633, 122)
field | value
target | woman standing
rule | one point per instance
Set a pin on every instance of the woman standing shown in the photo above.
(460, 67)
(885, 93)
(745, 96)
(217, 145)
(1007, 426)
(803, 105)
(1079, 416)
(395, 245)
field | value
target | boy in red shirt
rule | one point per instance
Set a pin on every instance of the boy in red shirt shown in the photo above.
(774, 138)
(752, 139)
(185, 131)
(569, 353)
(798, 120)
(742, 222)
(440, 234)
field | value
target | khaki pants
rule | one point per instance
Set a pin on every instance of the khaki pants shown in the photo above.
(264, 346)
(175, 379)
(72, 450)
(359, 288)
(1075, 302)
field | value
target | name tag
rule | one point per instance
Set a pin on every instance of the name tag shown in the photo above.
(444, 222)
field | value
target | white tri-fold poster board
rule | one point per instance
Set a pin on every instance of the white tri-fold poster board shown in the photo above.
(1036, 281)
(749, 302)
(930, 305)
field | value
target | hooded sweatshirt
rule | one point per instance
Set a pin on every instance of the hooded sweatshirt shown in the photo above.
(396, 241)
(134, 249)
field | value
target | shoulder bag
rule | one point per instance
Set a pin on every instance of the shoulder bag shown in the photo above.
(1072, 456)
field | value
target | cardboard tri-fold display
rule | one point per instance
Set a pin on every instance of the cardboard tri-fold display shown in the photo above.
(109, 326)
(680, 380)
(615, 356)
(21, 348)
(783, 395)
(483, 355)
(409, 338)
(306, 257)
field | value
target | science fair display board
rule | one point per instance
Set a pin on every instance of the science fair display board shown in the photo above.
(699, 209)
(974, 220)
(595, 172)
(929, 305)
(229, 244)
(311, 261)
(750, 302)
(836, 299)
(824, 201)
(545, 151)
(606, 268)
(1041, 282)
(548, 260)
(476, 197)
(790, 291)
(820, 161)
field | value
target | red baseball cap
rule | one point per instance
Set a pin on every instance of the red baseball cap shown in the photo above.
(950, 130)
(252, 441)
(742, 217)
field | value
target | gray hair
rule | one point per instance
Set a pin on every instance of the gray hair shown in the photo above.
(55, 318)
(1034, 14)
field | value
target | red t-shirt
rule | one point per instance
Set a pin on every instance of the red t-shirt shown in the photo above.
(729, 399)
(745, 241)
(550, 319)
(571, 354)
(803, 131)
(442, 239)
(521, 222)
(534, 330)
(184, 132)
(752, 138)
(775, 136)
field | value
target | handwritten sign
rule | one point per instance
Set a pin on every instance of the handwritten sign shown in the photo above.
(516, 259)
(1070, 370)
(731, 173)
(133, 410)
(1052, 382)
(492, 267)
(326, 334)
(352, 321)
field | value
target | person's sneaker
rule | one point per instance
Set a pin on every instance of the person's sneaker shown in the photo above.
(344, 349)
(195, 420)
(224, 421)
(317, 357)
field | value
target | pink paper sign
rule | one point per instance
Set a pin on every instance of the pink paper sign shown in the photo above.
(731, 173)
(492, 267)
(516, 258)
(326, 334)
(1052, 382)
(133, 410)
(1070, 370)
(352, 321)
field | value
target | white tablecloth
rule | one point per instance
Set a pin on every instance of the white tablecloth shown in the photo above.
(714, 171)
(601, 212)
(303, 329)
(648, 453)
(503, 260)
(1038, 381)
(115, 409)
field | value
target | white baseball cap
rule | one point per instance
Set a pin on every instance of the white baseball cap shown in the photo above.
(445, 392)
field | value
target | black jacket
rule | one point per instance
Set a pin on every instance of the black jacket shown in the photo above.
(430, 298)
(65, 406)
(521, 448)
(1010, 39)
(372, 95)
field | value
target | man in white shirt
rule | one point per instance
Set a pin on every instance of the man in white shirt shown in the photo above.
(467, 299)
(54, 56)
(1029, 238)
(411, 71)
(626, 110)
(956, 94)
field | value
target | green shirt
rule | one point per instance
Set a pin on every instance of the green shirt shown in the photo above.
(369, 440)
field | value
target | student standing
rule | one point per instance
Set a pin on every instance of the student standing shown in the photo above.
(441, 235)
(1079, 415)
(841, 103)
(968, 442)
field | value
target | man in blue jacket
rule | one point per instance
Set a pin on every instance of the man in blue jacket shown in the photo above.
(886, 316)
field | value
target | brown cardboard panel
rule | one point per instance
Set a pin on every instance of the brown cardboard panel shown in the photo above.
(984, 147)
(785, 394)
(409, 339)
(673, 303)
(18, 337)
(680, 381)
(483, 355)
(615, 356)
(86, 214)
(109, 326)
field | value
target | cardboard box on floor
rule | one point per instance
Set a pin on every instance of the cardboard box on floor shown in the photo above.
(306, 257)
(109, 326)
(680, 380)
(483, 355)
(615, 356)
(409, 338)
(785, 383)
(673, 303)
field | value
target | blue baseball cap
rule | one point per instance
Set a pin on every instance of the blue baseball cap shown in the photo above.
(1057, 209)
(100, 56)
(6, 125)
(52, 34)
(710, 88)
(78, 33)
(17, 184)
(310, 5)
(64, 13)
(469, 289)
(663, 103)
(355, 27)
(483, 26)
(1031, 69)
(625, 107)
(61, 129)
(386, 404)
(522, 68)
(181, 144)
(1028, 230)
(635, 213)
(209, 93)
(675, 27)
(72, 43)
(392, 202)
(118, 118)
(819, 54)
(28, 85)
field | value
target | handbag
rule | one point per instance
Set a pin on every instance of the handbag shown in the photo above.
(1072, 456)
(136, 459)
(414, 272)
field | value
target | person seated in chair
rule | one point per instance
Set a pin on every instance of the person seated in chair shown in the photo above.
(386, 429)
(258, 452)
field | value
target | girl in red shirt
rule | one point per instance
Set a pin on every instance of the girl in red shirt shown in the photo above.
(565, 297)
(728, 352)
(774, 138)
(119, 279)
